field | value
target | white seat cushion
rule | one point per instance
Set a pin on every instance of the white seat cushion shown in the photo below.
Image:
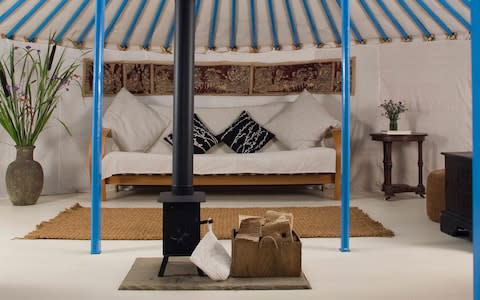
(305, 161)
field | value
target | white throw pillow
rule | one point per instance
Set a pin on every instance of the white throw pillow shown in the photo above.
(301, 124)
(135, 126)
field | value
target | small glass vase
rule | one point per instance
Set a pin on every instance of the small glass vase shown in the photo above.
(393, 124)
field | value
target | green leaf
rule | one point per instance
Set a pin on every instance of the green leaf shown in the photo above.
(64, 126)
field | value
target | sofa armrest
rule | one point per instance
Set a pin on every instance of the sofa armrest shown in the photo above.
(106, 133)
(336, 135)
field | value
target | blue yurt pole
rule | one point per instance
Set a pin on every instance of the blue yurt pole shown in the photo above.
(345, 228)
(97, 109)
(475, 53)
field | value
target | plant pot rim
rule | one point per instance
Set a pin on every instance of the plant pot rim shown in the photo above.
(24, 147)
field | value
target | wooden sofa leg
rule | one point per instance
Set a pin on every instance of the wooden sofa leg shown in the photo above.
(104, 191)
(337, 193)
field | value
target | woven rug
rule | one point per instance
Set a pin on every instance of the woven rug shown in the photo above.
(146, 223)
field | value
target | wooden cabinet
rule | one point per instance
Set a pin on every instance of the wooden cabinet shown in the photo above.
(456, 219)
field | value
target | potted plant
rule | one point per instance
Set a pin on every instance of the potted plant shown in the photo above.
(31, 85)
(392, 111)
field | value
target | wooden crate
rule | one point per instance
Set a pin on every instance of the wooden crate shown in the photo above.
(252, 259)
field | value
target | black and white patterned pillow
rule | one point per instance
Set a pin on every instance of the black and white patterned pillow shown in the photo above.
(203, 139)
(245, 135)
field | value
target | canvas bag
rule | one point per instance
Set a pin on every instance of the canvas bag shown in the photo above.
(211, 257)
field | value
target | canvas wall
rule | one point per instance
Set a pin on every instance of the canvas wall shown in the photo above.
(434, 78)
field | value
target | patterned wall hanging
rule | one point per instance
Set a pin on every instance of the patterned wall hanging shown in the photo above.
(323, 77)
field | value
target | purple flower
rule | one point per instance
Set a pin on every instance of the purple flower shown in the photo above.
(28, 47)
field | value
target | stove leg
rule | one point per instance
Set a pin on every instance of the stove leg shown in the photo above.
(161, 273)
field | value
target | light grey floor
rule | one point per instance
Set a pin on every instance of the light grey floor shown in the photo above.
(420, 262)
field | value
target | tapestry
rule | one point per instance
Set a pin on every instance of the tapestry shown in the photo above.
(322, 77)
(138, 78)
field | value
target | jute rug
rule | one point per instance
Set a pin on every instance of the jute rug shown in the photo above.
(146, 223)
(143, 276)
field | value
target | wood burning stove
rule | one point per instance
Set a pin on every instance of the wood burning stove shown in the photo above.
(181, 206)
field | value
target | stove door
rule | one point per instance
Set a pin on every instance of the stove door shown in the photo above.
(181, 228)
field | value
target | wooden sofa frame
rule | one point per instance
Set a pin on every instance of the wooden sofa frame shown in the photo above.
(230, 180)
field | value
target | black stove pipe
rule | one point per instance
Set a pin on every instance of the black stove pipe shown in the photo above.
(182, 177)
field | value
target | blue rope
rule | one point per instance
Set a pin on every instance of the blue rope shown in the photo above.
(455, 14)
(311, 22)
(394, 20)
(253, 24)
(293, 24)
(415, 19)
(115, 18)
(11, 10)
(47, 20)
(153, 25)
(24, 19)
(81, 38)
(171, 30)
(356, 32)
(331, 22)
(233, 26)
(71, 21)
(435, 17)
(213, 25)
(375, 21)
(131, 28)
(273, 24)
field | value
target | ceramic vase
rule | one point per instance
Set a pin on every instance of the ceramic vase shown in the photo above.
(24, 178)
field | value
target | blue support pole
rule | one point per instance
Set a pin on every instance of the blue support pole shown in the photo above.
(345, 228)
(475, 53)
(97, 110)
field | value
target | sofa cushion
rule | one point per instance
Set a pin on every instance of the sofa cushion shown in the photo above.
(245, 135)
(306, 161)
(301, 124)
(135, 126)
(203, 139)
(219, 118)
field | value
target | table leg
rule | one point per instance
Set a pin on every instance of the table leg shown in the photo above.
(387, 169)
(420, 187)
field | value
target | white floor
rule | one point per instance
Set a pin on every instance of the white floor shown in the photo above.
(420, 262)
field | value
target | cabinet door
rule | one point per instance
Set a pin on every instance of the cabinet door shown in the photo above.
(458, 186)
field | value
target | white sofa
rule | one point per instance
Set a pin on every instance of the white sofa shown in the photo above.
(275, 164)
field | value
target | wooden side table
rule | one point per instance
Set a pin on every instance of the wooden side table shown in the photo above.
(388, 188)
